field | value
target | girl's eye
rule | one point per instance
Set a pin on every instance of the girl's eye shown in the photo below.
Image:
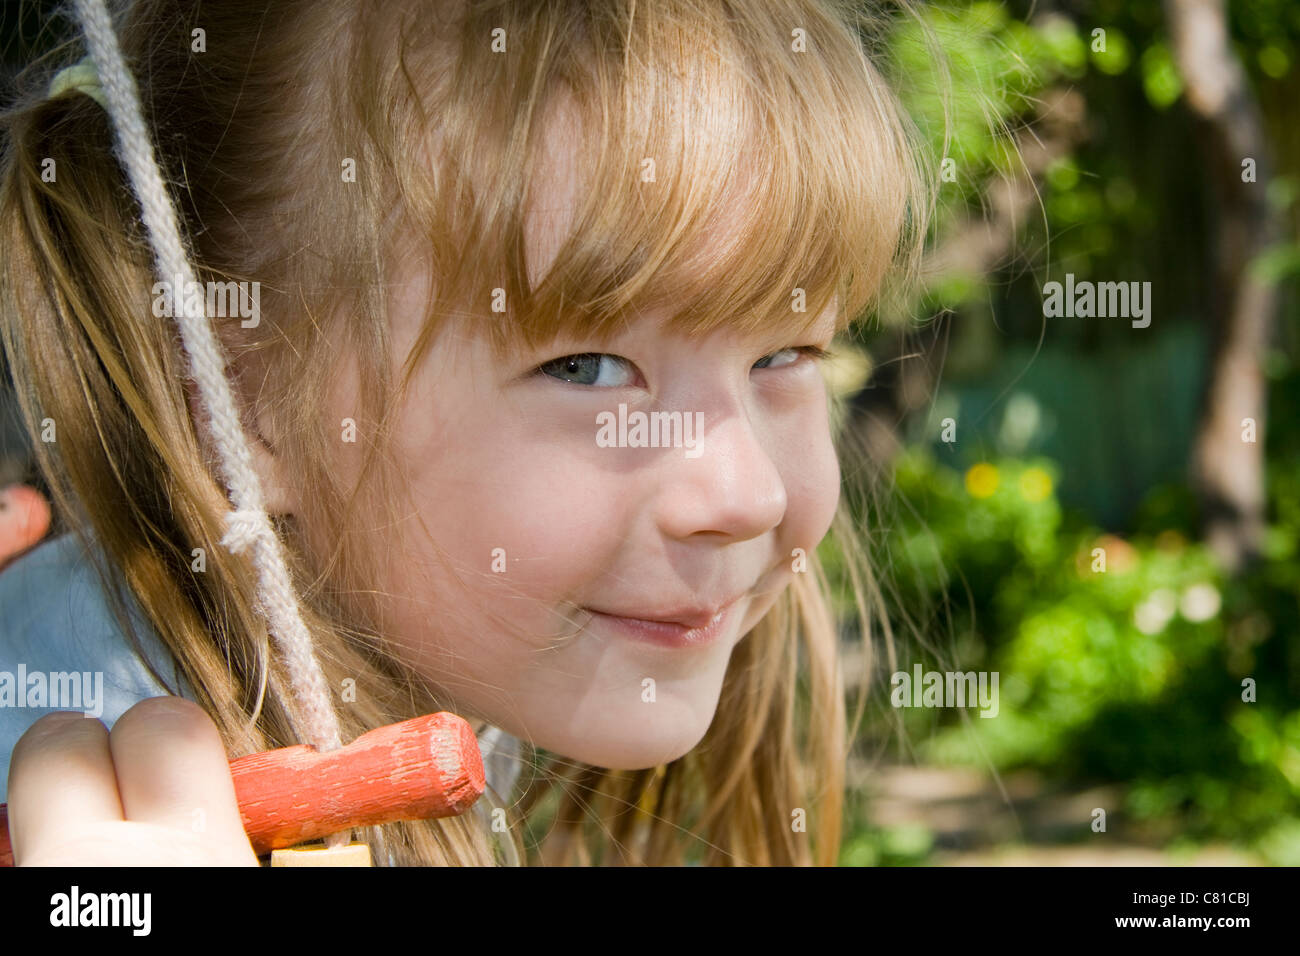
(615, 372)
(817, 353)
(586, 369)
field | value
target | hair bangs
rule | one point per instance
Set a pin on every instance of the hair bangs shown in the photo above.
(732, 166)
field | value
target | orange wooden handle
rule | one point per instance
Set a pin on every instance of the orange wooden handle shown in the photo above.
(415, 770)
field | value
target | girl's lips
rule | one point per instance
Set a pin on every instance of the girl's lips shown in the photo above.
(669, 635)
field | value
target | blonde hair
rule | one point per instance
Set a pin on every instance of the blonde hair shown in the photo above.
(443, 132)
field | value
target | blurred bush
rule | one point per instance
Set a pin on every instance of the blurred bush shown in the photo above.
(1120, 658)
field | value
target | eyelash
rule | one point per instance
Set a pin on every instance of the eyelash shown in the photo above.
(815, 352)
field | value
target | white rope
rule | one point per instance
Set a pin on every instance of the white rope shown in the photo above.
(245, 526)
(248, 525)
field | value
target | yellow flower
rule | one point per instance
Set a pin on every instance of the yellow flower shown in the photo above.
(982, 480)
(1035, 484)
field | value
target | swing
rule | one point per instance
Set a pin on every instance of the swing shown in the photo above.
(424, 768)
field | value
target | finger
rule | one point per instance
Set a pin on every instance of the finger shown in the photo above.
(172, 769)
(60, 776)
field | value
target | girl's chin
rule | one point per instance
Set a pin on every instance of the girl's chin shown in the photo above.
(636, 750)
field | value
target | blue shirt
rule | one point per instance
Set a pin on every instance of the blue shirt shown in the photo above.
(61, 648)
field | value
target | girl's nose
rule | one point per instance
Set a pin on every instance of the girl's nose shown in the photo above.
(732, 487)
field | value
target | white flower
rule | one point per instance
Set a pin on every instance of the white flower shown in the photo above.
(1200, 602)
(1151, 616)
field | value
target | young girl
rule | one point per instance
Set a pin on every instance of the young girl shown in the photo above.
(485, 240)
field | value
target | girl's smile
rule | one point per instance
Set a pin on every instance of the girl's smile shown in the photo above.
(674, 629)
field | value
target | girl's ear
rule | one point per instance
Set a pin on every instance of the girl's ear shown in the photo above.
(276, 491)
(266, 461)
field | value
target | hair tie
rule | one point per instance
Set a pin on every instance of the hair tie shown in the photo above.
(81, 77)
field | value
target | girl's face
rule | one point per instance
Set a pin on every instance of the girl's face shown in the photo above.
(544, 524)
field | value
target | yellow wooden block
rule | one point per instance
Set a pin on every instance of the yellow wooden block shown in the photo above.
(353, 854)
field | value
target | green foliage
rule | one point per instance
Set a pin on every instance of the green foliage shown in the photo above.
(905, 845)
(994, 65)
(1133, 673)
(1160, 79)
(971, 73)
(1277, 262)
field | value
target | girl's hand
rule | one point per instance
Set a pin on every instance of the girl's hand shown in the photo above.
(156, 791)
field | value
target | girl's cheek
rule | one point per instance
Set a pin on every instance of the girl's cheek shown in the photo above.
(555, 518)
(812, 482)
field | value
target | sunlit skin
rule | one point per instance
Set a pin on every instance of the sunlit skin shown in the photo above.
(503, 455)
(24, 520)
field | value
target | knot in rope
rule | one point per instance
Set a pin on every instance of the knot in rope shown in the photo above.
(244, 526)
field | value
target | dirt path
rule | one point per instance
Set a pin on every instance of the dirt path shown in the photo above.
(974, 823)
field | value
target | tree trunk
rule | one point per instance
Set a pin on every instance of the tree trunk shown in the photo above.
(1227, 467)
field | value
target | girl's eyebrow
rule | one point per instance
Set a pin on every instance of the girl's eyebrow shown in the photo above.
(825, 328)
(646, 326)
